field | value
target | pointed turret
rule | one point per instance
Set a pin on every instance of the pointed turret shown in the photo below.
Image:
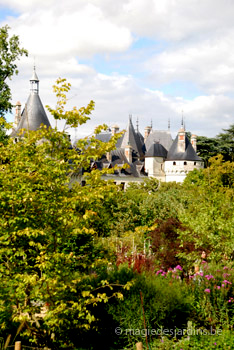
(132, 138)
(33, 114)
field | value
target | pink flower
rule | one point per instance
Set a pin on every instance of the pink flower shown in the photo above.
(225, 268)
(227, 282)
(200, 273)
(218, 287)
(207, 290)
(209, 277)
(226, 275)
(178, 267)
(223, 285)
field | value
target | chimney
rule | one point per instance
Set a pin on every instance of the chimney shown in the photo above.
(114, 129)
(194, 142)
(17, 113)
(128, 153)
(181, 140)
(147, 132)
(108, 156)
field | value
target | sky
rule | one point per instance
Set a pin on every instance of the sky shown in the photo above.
(156, 60)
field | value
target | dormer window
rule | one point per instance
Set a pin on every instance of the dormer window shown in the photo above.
(174, 163)
(185, 163)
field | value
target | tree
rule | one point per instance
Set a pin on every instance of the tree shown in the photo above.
(226, 143)
(223, 144)
(48, 252)
(10, 52)
(207, 147)
(208, 211)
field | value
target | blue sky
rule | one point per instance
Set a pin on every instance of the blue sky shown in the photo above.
(148, 58)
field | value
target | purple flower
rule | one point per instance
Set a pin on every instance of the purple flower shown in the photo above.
(215, 344)
(218, 287)
(225, 268)
(200, 273)
(178, 267)
(158, 272)
(207, 290)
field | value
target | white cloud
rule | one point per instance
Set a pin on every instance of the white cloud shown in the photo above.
(198, 50)
(60, 30)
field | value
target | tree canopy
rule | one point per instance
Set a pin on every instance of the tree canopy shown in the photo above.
(48, 228)
(10, 52)
(223, 144)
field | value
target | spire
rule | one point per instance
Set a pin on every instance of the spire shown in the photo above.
(182, 127)
(34, 82)
(33, 114)
(137, 125)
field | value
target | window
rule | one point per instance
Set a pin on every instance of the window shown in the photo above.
(195, 163)
(185, 163)
(174, 163)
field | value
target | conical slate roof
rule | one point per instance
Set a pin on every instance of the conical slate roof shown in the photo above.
(132, 138)
(33, 114)
(189, 153)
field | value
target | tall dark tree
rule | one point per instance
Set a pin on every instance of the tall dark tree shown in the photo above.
(226, 143)
(207, 147)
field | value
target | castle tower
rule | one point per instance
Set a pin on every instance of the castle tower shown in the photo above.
(33, 115)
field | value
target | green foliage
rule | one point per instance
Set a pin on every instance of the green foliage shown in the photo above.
(221, 339)
(222, 144)
(207, 148)
(226, 142)
(10, 52)
(47, 221)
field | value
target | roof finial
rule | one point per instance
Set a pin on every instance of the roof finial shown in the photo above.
(182, 119)
(151, 125)
(169, 124)
(137, 124)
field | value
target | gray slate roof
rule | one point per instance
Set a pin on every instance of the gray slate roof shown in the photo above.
(159, 136)
(189, 153)
(156, 150)
(33, 114)
(131, 137)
